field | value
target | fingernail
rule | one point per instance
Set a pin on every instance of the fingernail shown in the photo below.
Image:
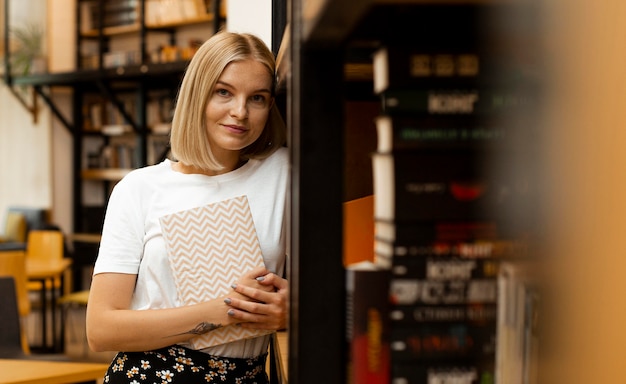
(260, 278)
(231, 312)
(233, 286)
(227, 300)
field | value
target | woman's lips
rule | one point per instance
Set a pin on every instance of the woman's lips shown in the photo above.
(235, 128)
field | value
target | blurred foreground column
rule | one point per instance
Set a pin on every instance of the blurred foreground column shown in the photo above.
(585, 319)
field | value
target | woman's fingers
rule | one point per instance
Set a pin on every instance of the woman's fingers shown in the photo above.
(265, 309)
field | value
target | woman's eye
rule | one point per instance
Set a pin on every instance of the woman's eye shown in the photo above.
(222, 92)
(258, 98)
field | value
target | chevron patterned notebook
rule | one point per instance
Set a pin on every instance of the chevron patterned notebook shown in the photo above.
(209, 248)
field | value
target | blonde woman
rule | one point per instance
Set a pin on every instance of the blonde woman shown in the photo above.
(226, 140)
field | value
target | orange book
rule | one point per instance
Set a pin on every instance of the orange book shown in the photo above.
(358, 230)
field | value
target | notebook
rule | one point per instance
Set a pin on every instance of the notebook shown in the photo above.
(210, 248)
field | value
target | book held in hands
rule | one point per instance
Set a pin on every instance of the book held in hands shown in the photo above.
(209, 248)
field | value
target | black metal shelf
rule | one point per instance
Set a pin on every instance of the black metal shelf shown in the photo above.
(91, 76)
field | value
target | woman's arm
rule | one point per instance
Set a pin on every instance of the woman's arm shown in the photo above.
(113, 326)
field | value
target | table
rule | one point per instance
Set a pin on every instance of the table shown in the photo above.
(49, 372)
(45, 271)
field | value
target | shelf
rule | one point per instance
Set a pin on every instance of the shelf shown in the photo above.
(104, 174)
(326, 21)
(112, 31)
(136, 27)
(183, 23)
(133, 72)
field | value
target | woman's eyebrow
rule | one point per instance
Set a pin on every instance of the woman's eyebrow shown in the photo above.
(226, 84)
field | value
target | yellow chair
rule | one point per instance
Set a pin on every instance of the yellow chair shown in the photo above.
(15, 228)
(47, 244)
(43, 246)
(75, 299)
(13, 263)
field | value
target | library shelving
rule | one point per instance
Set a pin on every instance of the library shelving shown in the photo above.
(130, 57)
(328, 77)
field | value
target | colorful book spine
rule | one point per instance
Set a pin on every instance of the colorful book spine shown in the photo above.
(367, 326)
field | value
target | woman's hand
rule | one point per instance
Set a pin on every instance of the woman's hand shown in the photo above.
(266, 306)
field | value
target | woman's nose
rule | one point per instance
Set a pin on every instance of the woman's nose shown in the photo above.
(239, 108)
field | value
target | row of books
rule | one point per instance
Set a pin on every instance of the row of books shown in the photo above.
(108, 118)
(427, 308)
(120, 13)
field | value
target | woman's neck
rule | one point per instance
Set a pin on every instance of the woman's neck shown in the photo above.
(190, 169)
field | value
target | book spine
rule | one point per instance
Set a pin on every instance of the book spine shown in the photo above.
(368, 326)
(459, 371)
(413, 291)
(444, 268)
(429, 232)
(497, 249)
(457, 101)
(432, 186)
(404, 67)
(416, 314)
(442, 341)
(414, 133)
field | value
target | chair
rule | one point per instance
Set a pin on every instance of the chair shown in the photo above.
(46, 244)
(13, 264)
(18, 221)
(74, 299)
(10, 327)
(15, 228)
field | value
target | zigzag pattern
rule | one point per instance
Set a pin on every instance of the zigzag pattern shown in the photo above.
(209, 248)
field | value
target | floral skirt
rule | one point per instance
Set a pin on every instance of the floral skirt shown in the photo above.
(177, 364)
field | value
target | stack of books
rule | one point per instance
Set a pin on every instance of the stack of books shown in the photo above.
(443, 134)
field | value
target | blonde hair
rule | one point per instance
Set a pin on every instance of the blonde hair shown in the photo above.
(188, 138)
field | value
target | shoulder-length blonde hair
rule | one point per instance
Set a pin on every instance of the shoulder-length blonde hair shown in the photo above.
(188, 138)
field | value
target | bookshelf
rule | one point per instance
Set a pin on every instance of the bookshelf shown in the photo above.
(329, 84)
(127, 72)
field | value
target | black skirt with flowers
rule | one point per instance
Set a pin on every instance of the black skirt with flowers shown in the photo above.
(177, 364)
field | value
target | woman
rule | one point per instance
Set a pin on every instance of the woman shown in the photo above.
(227, 139)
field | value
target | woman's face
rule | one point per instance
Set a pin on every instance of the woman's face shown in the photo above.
(239, 106)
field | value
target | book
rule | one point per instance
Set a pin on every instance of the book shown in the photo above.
(491, 251)
(209, 248)
(367, 323)
(440, 341)
(471, 313)
(402, 132)
(457, 371)
(358, 230)
(406, 66)
(430, 186)
(517, 326)
(445, 268)
(413, 291)
(430, 232)
(457, 101)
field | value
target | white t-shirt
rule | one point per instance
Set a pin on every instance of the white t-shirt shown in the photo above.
(132, 241)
